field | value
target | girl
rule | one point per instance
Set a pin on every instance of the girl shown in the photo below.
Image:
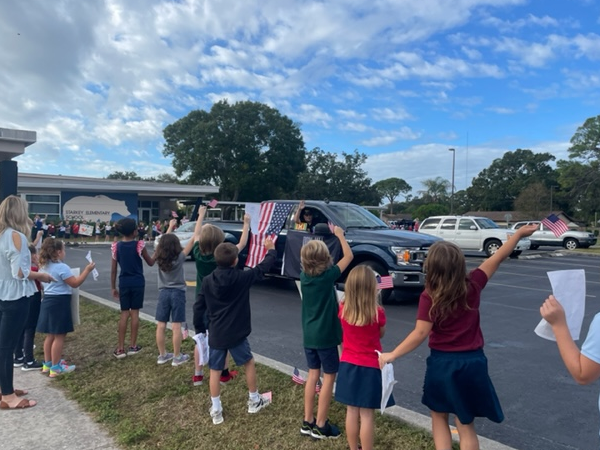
(171, 294)
(55, 314)
(207, 238)
(456, 378)
(359, 377)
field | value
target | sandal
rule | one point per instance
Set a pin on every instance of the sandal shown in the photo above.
(24, 403)
(18, 393)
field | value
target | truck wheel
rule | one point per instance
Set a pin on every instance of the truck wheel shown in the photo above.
(492, 246)
(385, 293)
(570, 244)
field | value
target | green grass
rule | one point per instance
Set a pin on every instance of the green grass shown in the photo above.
(146, 406)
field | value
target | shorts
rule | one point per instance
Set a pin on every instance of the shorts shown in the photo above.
(171, 305)
(131, 297)
(240, 353)
(328, 358)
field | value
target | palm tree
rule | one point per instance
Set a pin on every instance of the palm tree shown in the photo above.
(436, 189)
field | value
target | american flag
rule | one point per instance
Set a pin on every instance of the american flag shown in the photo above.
(385, 282)
(174, 215)
(555, 224)
(272, 218)
(213, 203)
(318, 386)
(297, 378)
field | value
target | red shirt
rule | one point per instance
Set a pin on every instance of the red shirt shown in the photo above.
(38, 285)
(461, 331)
(360, 343)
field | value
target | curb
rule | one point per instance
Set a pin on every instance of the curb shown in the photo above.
(412, 418)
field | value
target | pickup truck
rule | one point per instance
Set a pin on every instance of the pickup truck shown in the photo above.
(388, 252)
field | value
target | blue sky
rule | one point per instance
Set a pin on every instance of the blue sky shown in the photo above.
(399, 80)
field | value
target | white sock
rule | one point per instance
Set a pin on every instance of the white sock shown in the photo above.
(199, 372)
(216, 403)
(254, 396)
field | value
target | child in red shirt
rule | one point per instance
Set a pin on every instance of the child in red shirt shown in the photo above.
(359, 377)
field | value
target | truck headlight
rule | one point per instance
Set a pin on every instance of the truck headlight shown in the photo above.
(403, 254)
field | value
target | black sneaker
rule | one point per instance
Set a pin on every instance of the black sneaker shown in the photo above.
(329, 431)
(307, 427)
(33, 365)
(18, 362)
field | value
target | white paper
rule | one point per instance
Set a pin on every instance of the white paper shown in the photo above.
(253, 210)
(201, 340)
(568, 286)
(387, 383)
(75, 300)
(94, 271)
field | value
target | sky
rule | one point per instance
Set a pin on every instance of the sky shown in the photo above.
(399, 80)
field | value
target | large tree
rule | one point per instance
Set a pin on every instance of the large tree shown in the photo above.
(534, 201)
(248, 149)
(329, 177)
(497, 187)
(585, 143)
(391, 188)
(436, 190)
(118, 175)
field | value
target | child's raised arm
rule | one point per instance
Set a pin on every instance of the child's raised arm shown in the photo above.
(245, 231)
(198, 227)
(75, 282)
(582, 369)
(490, 265)
(346, 250)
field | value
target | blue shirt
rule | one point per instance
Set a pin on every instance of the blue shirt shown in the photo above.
(12, 285)
(591, 347)
(60, 272)
(129, 256)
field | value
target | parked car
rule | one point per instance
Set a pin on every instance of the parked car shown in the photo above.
(570, 240)
(471, 233)
(186, 232)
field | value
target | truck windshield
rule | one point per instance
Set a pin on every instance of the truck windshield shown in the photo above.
(353, 216)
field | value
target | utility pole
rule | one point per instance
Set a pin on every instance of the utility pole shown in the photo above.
(452, 187)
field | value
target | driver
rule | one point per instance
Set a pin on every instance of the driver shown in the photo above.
(305, 218)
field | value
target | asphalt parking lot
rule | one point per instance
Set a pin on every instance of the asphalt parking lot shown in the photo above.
(544, 407)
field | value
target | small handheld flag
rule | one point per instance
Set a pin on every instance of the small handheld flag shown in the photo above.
(213, 203)
(174, 215)
(318, 386)
(385, 282)
(297, 378)
(555, 224)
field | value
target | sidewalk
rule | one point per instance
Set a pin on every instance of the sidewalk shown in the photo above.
(58, 423)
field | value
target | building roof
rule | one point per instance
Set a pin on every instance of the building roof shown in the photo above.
(31, 182)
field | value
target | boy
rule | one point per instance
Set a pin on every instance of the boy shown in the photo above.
(128, 253)
(322, 330)
(225, 296)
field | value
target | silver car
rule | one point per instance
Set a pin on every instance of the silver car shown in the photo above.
(570, 240)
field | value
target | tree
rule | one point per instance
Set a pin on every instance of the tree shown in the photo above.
(391, 188)
(327, 177)
(436, 189)
(431, 209)
(497, 187)
(581, 182)
(534, 201)
(585, 143)
(248, 149)
(123, 176)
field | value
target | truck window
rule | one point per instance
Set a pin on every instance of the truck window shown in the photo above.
(448, 224)
(430, 224)
(465, 224)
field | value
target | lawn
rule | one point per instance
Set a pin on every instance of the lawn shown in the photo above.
(146, 406)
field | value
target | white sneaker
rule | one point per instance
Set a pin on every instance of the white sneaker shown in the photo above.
(254, 407)
(162, 359)
(178, 360)
(216, 415)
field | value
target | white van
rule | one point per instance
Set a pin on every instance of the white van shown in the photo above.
(471, 233)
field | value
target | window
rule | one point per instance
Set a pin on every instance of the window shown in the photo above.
(429, 224)
(448, 224)
(43, 204)
(466, 224)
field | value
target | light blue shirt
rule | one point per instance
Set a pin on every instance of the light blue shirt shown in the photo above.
(60, 272)
(591, 347)
(12, 285)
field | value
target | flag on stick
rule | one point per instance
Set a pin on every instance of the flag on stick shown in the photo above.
(213, 203)
(555, 224)
(385, 282)
(272, 217)
(297, 378)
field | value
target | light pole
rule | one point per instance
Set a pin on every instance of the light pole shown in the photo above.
(551, 203)
(452, 187)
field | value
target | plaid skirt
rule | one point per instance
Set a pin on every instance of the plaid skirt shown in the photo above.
(458, 383)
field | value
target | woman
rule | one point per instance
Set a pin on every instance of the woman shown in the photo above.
(16, 284)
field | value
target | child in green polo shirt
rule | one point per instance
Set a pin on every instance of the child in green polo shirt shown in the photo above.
(321, 329)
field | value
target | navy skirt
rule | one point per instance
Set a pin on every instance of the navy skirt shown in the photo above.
(359, 386)
(55, 315)
(458, 383)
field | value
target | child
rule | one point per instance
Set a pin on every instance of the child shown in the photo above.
(207, 238)
(321, 329)
(128, 254)
(225, 298)
(24, 349)
(584, 365)
(359, 378)
(55, 313)
(171, 294)
(456, 380)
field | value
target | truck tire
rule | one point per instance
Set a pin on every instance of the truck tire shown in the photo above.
(385, 293)
(492, 246)
(570, 244)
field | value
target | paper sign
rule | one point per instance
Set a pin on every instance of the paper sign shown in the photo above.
(387, 383)
(86, 230)
(568, 286)
(253, 210)
(95, 273)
